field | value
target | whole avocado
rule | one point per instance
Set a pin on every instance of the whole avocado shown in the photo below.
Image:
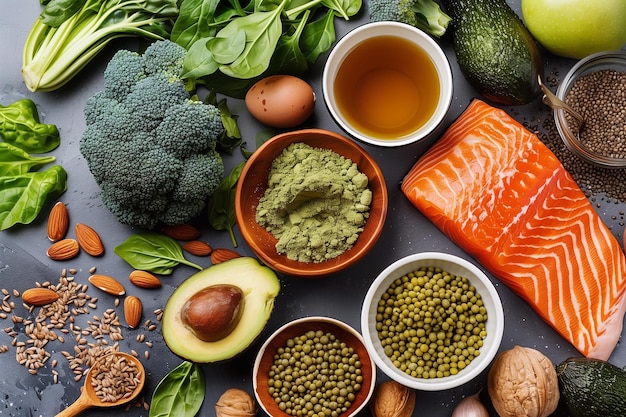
(494, 50)
(592, 387)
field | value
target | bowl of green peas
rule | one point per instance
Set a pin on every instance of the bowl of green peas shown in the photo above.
(314, 366)
(432, 321)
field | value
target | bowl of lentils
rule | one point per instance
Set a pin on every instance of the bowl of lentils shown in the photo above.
(432, 321)
(595, 87)
(314, 367)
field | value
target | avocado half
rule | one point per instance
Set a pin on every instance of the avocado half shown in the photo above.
(259, 285)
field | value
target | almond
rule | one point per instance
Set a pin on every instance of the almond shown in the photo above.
(144, 279)
(198, 248)
(222, 255)
(39, 296)
(89, 240)
(107, 284)
(182, 231)
(58, 222)
(63, 250)
(132, 311)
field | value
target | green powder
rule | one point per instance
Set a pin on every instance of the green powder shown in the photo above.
(316, 203)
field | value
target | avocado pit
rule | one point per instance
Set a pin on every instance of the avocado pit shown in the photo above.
(213, 312)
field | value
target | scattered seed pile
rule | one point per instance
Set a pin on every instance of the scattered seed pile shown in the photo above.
(33, 329)
(114, 377)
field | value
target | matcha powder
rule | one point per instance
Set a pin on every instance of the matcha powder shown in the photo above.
(316, 203)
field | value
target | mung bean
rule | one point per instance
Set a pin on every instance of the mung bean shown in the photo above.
(431, 323)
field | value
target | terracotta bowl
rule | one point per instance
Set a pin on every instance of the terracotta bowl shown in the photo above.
(341, 331)
(252, 185)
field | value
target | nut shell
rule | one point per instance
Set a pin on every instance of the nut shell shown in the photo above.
(107, 284)
(58, 222)
(39, 296)
(63, 249)
(523, 382)
(235, 402)
(144, 279)
(89, 240)
(133, 310)
(392, 399)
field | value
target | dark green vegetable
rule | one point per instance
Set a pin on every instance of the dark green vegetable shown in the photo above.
(592, 387)
(15, 161)
(23, 196)
(180, 393)
(221, 205)
(495, 51)
(423, 14)
(70, 33)
(153, 252)
(20, 126)
(231, 46)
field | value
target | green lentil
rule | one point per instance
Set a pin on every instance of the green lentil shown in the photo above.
(431, 323)
(315, 375)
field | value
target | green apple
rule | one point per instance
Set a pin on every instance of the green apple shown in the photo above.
(576, 28)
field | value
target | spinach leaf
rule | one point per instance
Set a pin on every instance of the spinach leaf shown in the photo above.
(153, 252)
(190, 24)
(15, 161)
(20, 126)
(221, 205)
(262, 31)
(23, 196)
(180, 393)
(318, 37)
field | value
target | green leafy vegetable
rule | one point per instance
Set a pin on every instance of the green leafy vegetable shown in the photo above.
(180, 393)
(153, 252)
(275, 35)
(221, 205)
(423, 14)
(23, 196)
(70, 33)
(15, 161)
(20, 126)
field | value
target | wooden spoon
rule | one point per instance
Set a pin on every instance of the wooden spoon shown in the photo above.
(88, 397)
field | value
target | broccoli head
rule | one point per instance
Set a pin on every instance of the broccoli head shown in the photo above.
(150, 147)
(423, 14)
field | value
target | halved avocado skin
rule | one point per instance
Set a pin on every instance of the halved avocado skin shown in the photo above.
(260, 286)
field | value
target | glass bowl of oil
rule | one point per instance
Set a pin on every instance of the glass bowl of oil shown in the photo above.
(387, 84)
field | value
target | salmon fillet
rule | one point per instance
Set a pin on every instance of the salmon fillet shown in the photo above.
(500, 194)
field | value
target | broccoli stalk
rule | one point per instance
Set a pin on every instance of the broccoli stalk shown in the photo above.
(69, 33)
(423, 14)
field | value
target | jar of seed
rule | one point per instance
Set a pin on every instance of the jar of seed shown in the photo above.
(596, 88)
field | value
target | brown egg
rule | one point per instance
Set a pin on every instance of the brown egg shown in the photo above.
(281, 101)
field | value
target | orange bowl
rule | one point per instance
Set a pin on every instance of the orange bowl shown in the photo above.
(296, 328)
(253, 183)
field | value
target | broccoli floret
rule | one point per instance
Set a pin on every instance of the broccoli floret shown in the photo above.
(124, 71)
(164, 58)
(190, 128)
(151, 147)
(423, 14)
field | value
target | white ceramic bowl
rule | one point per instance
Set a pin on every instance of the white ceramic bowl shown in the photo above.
(365, 32)
(456, 266)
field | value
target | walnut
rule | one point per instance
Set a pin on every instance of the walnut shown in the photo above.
(522, 382)
(235, 403)
(392, 399)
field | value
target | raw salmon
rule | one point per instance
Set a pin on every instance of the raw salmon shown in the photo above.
(497, 191)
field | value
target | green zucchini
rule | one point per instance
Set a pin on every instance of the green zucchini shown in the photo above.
(592, 387)
(494, 50)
